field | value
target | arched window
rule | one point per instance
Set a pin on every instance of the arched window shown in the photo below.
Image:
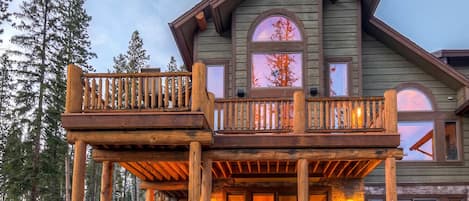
(276, 48)
(417, 132)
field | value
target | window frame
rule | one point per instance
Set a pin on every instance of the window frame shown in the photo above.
(345, 60)
(270, 47)
(439, 118)
(225, 64)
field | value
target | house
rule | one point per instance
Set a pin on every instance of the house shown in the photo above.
(284, 100)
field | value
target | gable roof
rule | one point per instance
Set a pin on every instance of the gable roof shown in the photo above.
(185, 27)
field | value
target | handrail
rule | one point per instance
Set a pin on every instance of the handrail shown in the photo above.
(137, 75)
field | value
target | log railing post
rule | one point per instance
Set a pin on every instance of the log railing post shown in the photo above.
(106, 181)
(206, 188)
(149, 195)
(390, 111)
(390, 179)
(303, 180)
(79, 168)
(198, 86)
(210, 110)
(74, 96)
(299, 112)
(195, 154)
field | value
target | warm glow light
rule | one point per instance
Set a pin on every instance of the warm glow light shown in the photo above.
(357, 118)
(349, 199)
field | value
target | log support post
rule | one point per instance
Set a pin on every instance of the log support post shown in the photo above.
(303, 180)
(206, 188)
(299, 112)
(149, 195)
(198, 86)
(79, 168)
(390, 111)
(106, 181)
(210, 110)
(195, 156)
(390, 179)
(74, 93)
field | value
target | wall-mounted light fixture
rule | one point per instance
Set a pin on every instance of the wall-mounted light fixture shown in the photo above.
(240, 93)
(313, 91)
(333, 1)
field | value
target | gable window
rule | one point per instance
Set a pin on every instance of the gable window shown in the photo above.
(426, 133)
(276, 51)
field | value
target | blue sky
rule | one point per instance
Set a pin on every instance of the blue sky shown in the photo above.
(432, 24)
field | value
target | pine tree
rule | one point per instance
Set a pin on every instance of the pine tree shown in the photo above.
(137, 57)
(39, 39)
(120, 64)
(4, 14)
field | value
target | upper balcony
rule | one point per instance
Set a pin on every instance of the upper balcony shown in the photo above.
(174, 108)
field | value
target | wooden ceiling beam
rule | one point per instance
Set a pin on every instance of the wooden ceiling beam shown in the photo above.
(201, 21)
(134, 156)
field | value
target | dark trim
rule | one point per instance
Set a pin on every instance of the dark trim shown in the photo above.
(234, 56)
(359, 47)
(346, 60)
(270, 47)
(451, 53)
(322, 77)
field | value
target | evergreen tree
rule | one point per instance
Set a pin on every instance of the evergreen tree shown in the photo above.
(4, 14)
(136, 56)
(39, 39)
(120, 64)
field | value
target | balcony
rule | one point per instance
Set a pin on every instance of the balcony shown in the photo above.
(174, 108)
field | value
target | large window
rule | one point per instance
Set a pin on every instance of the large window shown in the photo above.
(216, 80)
(426, 133)
(276, 53)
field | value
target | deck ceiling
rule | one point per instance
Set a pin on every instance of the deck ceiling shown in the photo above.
(161, 171)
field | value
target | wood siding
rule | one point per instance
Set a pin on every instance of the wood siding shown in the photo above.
(383, 68)
(341, 36)
(308, 11)
(211, 47)
(463, 69)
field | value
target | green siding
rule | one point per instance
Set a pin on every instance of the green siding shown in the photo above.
(341, 28)
(211, 46)
(463, 69)
(246, 13)
(383, 69)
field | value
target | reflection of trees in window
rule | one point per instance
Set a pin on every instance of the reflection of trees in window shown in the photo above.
(277, 69)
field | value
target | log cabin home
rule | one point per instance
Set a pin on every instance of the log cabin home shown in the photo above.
(283, 101)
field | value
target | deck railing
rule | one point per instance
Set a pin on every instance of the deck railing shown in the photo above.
(345, 114)
(116, 92)
(253, 115)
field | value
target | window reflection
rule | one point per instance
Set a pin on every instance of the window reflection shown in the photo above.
(413, 100)
(338, 79)
(216, 80)
(276, 28)
(276, 70)
(417, 140)
(451, 141)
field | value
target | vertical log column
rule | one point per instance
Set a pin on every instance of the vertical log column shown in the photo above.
(198, 86)
(206, 190)
(74, 94)
(106, 181)
(149, 195)
(303, 180)
(390, 179)
(390, 111)
(79, 168)
(299, 112)
(195, 154)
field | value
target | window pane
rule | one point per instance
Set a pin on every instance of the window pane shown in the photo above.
(413, 100)
(276, 28)
(287, 198)
(216, 80)
(235, 197)
(263, 197)
(417, 140)
(338, 79)
(317, 198)
(451, 145)
(276, 70)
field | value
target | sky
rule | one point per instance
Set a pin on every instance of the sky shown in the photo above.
(432, 24)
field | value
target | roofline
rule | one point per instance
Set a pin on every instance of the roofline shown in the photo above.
(451, 53)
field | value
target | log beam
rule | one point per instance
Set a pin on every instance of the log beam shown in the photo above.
(136, 156)
(106, 181)
(195, 156)
(165, 186)
(201, 21)
(206, 188)
(153, 137)
(303, 181)
(79, 168)
(390, 179)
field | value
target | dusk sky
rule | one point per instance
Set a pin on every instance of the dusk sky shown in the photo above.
(433, 24)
